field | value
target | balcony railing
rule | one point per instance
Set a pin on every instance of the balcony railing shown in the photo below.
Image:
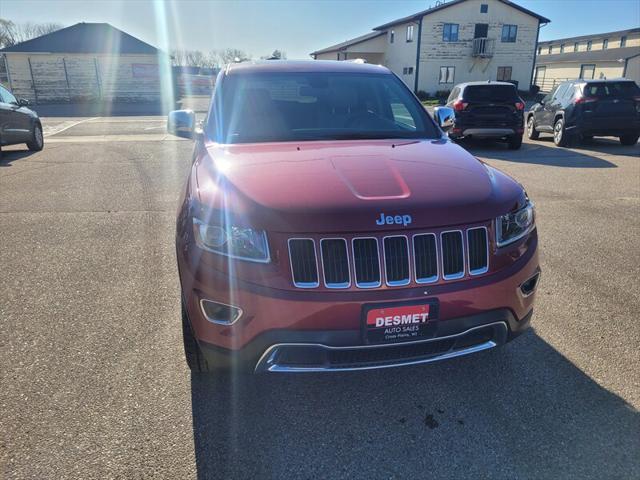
(483, 47)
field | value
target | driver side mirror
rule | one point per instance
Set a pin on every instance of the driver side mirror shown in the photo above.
(445, 117)
(181, 123)
(23, 102)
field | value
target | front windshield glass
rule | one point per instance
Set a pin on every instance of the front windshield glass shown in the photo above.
(270, 107)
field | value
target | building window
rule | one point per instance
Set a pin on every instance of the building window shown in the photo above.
(392, 36)
(539, 50)
(587, 71)
(484, 8)
(589, 45)
(575, 47)
(623, 42)
(509, 33)
(450, 32)
(504, 74)
(407, 71)
(447, 74)
(605, 44)
(410, 33)
(550, 49)
(562, 48)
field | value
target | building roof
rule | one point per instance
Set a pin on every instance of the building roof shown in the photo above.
(593, 36)
(85, 38)
(442, 6)
(608, 55)
(303, 66)
(348, 43)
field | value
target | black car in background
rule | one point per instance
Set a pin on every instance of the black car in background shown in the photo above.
(485, 110)
(581, 109)
(18, 124)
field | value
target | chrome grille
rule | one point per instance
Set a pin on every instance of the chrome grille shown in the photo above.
(396, 260)
(366, 262)
(335, 262)
(431, 257)
(426, 258)
(304, 265)
(452, 255)
(478, 249)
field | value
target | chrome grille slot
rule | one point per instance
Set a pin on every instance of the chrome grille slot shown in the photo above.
(396, 260)
(366, 262)
(335, 262)
(452, 255)
(478, 249)
(304, 265)
(360, 261)
(426, 258)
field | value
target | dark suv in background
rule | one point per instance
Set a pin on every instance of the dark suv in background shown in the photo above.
(582, 109)
(18, 124)
(485, 110)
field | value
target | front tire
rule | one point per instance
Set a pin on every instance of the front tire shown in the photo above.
(193, 354)
(631, 139)
(560, 136)
(37, 139)
(532, 133)
(514, 142)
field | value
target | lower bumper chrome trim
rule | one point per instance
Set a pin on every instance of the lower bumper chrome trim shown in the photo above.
(268, 362)
(488, 132)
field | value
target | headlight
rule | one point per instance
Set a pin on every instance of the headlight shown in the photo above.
(236, 242)
(513, 226)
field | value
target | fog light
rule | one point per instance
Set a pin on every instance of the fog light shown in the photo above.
(220, 313)
(529, 286)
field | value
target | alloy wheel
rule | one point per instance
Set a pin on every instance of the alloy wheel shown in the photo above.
(557, 132)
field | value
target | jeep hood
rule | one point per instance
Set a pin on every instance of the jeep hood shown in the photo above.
(345, 186)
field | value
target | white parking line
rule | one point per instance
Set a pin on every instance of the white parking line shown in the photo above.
(67, 127)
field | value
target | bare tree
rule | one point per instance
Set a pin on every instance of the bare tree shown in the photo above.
(231, 55)
(12, 33)
(212, 59)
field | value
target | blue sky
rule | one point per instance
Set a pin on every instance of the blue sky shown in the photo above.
(295, 26)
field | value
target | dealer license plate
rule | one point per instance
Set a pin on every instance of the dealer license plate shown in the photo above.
(398, 322)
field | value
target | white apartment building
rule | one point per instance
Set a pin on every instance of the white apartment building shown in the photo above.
(450, 43)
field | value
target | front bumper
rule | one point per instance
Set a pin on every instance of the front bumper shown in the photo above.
(321, 351)
(316, 331)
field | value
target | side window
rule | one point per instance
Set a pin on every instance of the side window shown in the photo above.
(568, 94)
(453, 95)
(7, 97)
(560, 91)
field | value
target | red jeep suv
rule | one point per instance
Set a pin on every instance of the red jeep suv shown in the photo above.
(329, 224)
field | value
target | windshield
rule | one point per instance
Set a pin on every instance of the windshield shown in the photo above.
(612, 89)
(279, 107)
(490, 93)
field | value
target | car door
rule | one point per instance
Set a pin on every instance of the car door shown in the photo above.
(551, 105)
(15, 121)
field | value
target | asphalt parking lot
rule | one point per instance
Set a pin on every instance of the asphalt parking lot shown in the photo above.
(94, 384)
